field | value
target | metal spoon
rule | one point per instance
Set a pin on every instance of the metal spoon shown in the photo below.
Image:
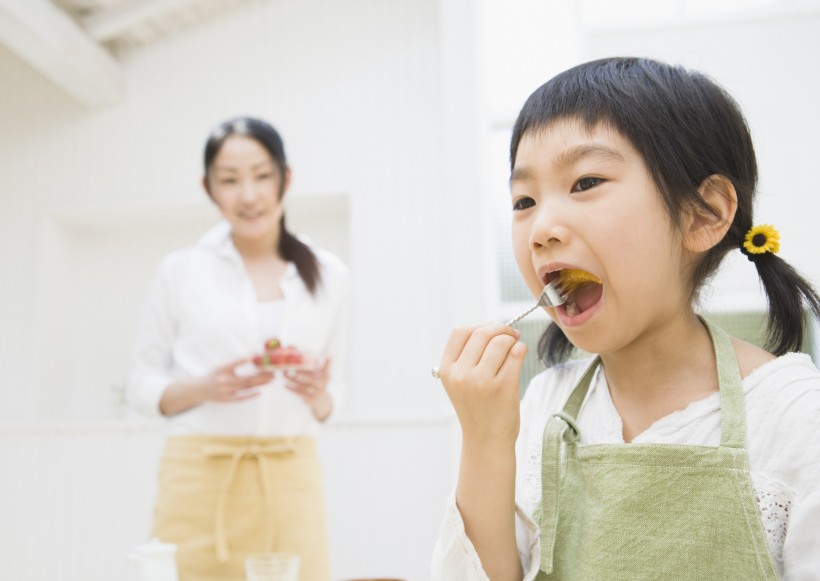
(551, 296)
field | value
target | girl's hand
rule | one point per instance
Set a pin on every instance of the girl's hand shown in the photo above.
(225, 385)
(311, 386)
(480, 370)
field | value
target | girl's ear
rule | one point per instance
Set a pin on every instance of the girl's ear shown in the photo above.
(703, 228)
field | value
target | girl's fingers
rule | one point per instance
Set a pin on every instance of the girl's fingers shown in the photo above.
(480, 339)
(496, 354)
(455, 344)
(513, 362)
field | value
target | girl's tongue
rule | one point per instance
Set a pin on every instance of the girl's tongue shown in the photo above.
(583, 298)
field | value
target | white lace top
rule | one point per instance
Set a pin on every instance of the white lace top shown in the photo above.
(783, 442)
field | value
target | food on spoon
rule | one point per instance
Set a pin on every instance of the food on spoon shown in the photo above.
(570, 279)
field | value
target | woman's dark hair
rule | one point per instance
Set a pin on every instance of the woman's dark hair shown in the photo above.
(290, 247)
(686, 128)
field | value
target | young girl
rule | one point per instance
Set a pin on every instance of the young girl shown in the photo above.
(678, 452)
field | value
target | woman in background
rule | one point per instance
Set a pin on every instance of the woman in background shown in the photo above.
(240, 472)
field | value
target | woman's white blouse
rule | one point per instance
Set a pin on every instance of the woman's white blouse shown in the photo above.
(783, 442)
(202, 312)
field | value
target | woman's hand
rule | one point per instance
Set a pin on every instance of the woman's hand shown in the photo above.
(480, 370)
(311, 386)
(223, 385)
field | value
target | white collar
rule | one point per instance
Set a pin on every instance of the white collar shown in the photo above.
(218, 239)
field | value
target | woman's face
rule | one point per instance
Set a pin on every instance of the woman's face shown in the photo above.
(585, 200)
(248, 187)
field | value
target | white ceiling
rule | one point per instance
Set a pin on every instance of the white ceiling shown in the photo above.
(75, 42)
(126, 23)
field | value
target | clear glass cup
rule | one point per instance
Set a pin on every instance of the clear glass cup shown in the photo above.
(272, 567)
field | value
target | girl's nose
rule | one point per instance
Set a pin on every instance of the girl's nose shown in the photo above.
(549, 227)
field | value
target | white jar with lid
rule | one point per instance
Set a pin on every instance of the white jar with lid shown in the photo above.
(156, 561)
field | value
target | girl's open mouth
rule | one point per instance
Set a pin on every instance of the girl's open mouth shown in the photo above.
(582, 289)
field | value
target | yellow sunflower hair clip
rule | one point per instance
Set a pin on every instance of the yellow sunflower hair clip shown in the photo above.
(761, 239)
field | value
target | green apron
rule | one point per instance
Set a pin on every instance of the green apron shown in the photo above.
(628, 512)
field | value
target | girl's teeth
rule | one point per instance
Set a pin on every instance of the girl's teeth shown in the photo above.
(571, 308)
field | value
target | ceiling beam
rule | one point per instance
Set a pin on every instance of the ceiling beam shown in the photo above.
(109, 23)
(50, 41)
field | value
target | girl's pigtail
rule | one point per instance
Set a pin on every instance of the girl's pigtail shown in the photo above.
(296, 251)
(786, 292)
(553, 346)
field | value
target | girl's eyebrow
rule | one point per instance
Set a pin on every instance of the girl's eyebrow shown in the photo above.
(571, 156)
(521, 174)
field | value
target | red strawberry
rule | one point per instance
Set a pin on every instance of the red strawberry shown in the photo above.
(277, 357)
(272, 344)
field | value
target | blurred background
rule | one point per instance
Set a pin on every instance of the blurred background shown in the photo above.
(396, 116)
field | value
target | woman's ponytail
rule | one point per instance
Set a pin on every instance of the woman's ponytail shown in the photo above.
(300, 254)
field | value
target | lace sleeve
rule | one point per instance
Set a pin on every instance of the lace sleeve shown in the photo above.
(775, 500)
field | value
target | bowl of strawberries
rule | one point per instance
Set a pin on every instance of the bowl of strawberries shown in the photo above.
(279, 357)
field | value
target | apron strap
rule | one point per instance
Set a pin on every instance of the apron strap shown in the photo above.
(732, 404)
(561, 429)
(576, 399)
(236, 453)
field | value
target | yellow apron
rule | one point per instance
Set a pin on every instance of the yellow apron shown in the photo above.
(222, 498)
(633, 512)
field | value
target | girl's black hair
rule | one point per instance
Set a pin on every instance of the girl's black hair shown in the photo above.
(686, 128)
(290, 247)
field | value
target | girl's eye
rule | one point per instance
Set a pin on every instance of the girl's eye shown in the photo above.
(586, 183)
(227, 181)
(523, 204)
(264, 176)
